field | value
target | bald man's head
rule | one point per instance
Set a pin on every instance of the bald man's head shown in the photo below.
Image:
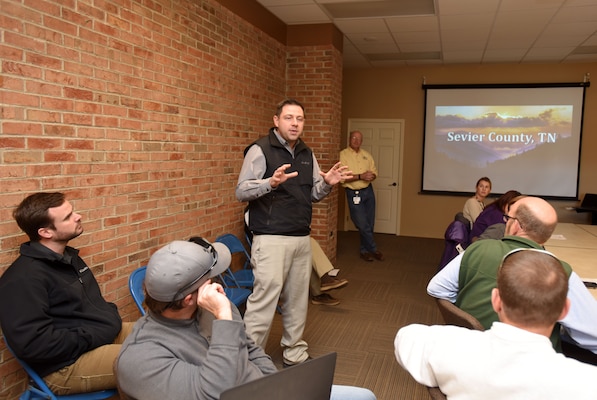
(532, 217)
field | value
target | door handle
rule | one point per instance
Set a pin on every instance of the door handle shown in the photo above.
(393, 184)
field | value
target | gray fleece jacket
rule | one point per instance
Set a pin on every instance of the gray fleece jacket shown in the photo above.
(193, 359)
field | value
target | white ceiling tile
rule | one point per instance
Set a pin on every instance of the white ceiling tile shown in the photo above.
(463, 56)
(370, 38)
(518, 5)
(585, 29)
(559, 41)
(546, 53)
(460, 22)
(464, 45)
(451, 7)
(419, 47)
(454, 36)
(378, 48)
(591, 41)
(576, 14)
(416, 37)
(580, 2)
(413, 24)
(269, 3)
(467, 31)
(361, 25)
(501, 55)
(395, 63)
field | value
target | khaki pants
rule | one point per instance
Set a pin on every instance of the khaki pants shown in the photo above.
(92, 371)
(282, 265)
(321, 266)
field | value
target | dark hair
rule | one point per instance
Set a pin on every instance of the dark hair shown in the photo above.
(506, 199)
(32, 214)
(288, 102)
(158, 307)
(533, 287)
(484, 178)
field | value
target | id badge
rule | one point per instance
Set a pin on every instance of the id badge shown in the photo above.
(356, 199)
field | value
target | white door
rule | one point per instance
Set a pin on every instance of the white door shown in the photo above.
(382, 138)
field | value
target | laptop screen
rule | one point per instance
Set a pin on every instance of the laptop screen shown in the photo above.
(311, 380)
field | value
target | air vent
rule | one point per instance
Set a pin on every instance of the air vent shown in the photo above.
(380, 9)
(422, 55)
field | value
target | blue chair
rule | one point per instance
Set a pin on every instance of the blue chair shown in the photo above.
(37, 388)
(136, 287)
(236, 294)
(244, 276)
(249, 237)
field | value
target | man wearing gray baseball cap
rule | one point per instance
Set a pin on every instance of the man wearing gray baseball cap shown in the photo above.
(192, 343)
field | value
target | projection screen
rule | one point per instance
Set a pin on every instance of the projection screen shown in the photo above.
(522, 137)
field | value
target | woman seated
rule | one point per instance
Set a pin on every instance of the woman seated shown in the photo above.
(474, 205)
(490, 223)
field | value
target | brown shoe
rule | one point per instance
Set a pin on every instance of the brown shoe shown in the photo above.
(325, 299)
(378, 256)
(367, 256)
(331, 282)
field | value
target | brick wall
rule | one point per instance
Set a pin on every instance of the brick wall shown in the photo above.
(139, 111)
(315, 76)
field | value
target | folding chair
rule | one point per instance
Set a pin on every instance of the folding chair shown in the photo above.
(455, 316)
(436, 394)
(236, 294)
(38, 389)
(136, 287)
(243, 277)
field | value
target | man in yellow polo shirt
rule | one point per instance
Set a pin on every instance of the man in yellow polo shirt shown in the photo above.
(359, 193)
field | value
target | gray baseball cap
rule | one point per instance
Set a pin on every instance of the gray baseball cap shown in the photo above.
(180, 267)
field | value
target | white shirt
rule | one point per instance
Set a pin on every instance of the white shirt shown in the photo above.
(503, 362)
(580, 323)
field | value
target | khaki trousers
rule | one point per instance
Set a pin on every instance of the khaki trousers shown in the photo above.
(321, 266)
(92, 371)
(282, 266)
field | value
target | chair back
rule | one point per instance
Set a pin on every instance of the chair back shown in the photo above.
(236, 294)
(436, 394)
(235, 246)
(38, 389)
(455, 316)
(243, 277)
(136, 287)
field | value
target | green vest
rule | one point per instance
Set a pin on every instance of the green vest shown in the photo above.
(478, 276)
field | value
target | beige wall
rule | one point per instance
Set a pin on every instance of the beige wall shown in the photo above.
(397, 93)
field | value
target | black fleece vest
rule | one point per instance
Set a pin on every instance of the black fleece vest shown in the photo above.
(287, 209)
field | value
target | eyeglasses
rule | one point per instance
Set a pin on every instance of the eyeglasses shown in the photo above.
(507, 218)
(214, 255)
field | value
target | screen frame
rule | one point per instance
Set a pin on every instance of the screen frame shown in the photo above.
(427, 87)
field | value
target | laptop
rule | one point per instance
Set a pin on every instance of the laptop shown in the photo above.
(311, 380)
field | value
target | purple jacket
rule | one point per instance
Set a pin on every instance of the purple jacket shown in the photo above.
(489, 216)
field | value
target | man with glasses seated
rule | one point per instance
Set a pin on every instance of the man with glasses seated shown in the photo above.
(192, 344)
(470, 277)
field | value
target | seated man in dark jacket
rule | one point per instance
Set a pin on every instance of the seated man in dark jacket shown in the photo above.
(52, 312)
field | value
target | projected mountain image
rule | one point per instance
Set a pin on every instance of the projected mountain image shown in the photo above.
(485, 134)
(523, 137)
